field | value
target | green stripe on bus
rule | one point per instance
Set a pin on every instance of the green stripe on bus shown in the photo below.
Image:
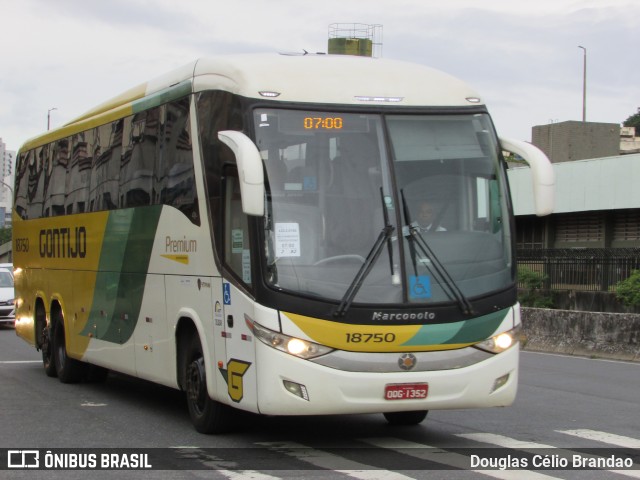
(122, 273)
(457, 333)
(167, 95)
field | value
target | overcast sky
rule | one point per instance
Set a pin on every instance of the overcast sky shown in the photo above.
(521, 55)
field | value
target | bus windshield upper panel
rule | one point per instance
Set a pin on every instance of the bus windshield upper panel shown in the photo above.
(419, 200)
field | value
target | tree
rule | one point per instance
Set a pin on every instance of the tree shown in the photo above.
(532, 293)
(633, 121)
(628, 290)
(5, 235)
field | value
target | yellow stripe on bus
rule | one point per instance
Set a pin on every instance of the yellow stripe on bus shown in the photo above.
(365, 338)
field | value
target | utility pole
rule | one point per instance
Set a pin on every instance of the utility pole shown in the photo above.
(584, 84)
(49, 117)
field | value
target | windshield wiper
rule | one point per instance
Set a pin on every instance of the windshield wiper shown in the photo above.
(369, 262)
(412, 233)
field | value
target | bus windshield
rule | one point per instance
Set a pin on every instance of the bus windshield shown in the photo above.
(426, 193)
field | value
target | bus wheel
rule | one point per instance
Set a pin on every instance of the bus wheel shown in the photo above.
(406, 418)
(67, 369)
(207, 415)
(47, 353)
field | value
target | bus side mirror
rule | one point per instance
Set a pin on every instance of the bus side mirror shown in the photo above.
(542, 174)
(250, 170)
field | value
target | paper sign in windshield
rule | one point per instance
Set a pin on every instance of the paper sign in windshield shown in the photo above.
(287, 240)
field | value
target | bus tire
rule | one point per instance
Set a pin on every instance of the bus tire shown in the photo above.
(46, 347)
(68, 369)
(44, 340)
(406, 418)
(207, 415)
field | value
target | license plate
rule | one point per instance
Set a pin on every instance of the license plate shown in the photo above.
(406, 391)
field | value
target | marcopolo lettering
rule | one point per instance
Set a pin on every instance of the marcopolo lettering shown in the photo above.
(399, 316)
(63, 242)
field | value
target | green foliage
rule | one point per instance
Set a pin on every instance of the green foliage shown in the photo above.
(5, 235)
(532, 293)
(633, 121)
(628, 290)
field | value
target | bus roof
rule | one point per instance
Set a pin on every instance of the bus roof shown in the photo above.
(320, 79)
(332, 79)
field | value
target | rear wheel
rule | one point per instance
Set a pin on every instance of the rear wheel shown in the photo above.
(68, 369)
(47, 353)
(44, 340)
(406, 418)
(207, 415)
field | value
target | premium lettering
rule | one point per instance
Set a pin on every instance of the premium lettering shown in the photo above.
(182, 245)
(63, 242)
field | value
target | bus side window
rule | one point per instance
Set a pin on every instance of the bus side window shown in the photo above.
(79, 169)
(22, 181)
(140, 147)
(105, 169)
(237, 248)
(175, 182)
(55, 178)
(35, 187)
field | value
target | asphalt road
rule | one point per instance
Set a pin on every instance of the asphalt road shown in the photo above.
(565, 406)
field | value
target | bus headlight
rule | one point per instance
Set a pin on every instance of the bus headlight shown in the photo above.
(291, 345)
(500, 342)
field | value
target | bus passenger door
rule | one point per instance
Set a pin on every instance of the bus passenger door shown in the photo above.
(238, 369)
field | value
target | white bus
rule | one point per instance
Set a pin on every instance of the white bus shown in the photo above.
(281, 234)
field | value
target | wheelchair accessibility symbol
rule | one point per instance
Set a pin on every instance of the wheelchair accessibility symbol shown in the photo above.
(226, 293)
(419, 286)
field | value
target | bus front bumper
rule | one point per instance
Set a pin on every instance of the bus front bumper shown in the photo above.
(288, 385)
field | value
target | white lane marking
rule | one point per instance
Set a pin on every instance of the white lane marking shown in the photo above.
(329, 461)
(502, 441)
(20, 361)
(604, 437)
(220, 465)
(507, 442)
(456, 460)
(246, 475)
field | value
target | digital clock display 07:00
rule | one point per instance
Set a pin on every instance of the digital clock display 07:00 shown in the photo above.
(322, 123)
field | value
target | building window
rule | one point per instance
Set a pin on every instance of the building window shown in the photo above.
(579, 227)
(626, 226)
(530, 232)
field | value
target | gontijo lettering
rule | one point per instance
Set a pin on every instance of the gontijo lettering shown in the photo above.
(63, 242)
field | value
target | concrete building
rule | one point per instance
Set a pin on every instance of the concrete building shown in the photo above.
(629, 140)
(597, 205)
(7, 172)
(573, 140)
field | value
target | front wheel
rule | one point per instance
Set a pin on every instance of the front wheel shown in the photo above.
(406, 418)
(207, 415)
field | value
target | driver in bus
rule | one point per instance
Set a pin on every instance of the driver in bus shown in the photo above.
(426, 219)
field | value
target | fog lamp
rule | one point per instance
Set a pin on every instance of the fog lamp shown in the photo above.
(500, 382)
(297, 389)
